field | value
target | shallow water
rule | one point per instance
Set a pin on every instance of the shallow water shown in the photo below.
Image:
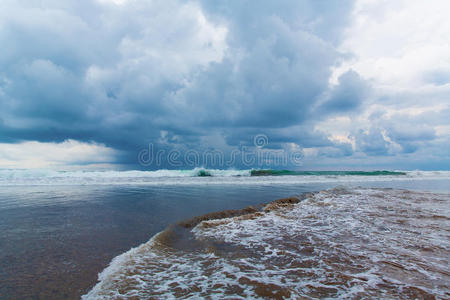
(55, 239)
(340, 243)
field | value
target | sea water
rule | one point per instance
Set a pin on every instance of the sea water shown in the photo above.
(59, 230)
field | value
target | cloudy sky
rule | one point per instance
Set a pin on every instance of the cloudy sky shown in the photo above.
(351, 84)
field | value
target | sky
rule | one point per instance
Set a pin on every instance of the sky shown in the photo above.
(338, 84)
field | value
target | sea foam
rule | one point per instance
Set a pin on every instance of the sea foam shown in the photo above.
(340, 243)
(200, 176)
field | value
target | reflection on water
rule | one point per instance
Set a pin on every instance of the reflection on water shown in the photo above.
(55, 240)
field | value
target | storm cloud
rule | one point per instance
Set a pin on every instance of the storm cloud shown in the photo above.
(189, 75)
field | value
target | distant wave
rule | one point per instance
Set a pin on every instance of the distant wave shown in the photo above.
(197, 172)
(205, 176)
(270, 172)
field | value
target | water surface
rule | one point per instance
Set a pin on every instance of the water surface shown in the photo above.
(56, 236)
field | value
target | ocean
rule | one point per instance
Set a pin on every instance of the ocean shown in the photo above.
(125, 234)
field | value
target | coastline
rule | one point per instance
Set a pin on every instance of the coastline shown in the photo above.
(70, 232)
(211, 248)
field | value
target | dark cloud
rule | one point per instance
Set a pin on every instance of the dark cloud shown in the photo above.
(347, 95)
(338, 150)
(249, 21)
(372, 142)
(184, 76)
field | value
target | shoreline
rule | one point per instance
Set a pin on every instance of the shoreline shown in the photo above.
(198, 242)
(70, 234)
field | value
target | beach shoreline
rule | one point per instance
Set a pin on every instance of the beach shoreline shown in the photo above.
(56, 239)
(208, 252)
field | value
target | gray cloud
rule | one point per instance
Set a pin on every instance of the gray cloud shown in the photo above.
(180, 75)
(347, 95)
(372, 142)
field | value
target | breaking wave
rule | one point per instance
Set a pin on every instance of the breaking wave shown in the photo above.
(340, 243)
(270, 172)
(204, 176)
(30, 173)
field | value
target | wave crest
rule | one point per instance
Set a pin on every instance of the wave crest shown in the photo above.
(205, 176)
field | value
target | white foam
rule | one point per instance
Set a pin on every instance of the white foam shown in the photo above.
(363, 242)
(191, 177)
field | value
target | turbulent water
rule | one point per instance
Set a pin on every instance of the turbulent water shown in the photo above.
(205, 176)
(342, 242)
(59, 230)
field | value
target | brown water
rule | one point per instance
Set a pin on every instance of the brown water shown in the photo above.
(340, 243)
(54, 240)
(55, 237)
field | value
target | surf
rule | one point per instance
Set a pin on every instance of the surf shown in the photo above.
(336, 243)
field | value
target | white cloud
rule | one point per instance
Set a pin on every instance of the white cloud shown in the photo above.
(403, 48)
(168, 41)
(68, 154)
(117, 2)
(396, 43)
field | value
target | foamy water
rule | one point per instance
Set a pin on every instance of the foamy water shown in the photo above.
(339, 243)
(196, 176)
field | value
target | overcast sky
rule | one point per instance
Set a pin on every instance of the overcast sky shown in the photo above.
(351, 84)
